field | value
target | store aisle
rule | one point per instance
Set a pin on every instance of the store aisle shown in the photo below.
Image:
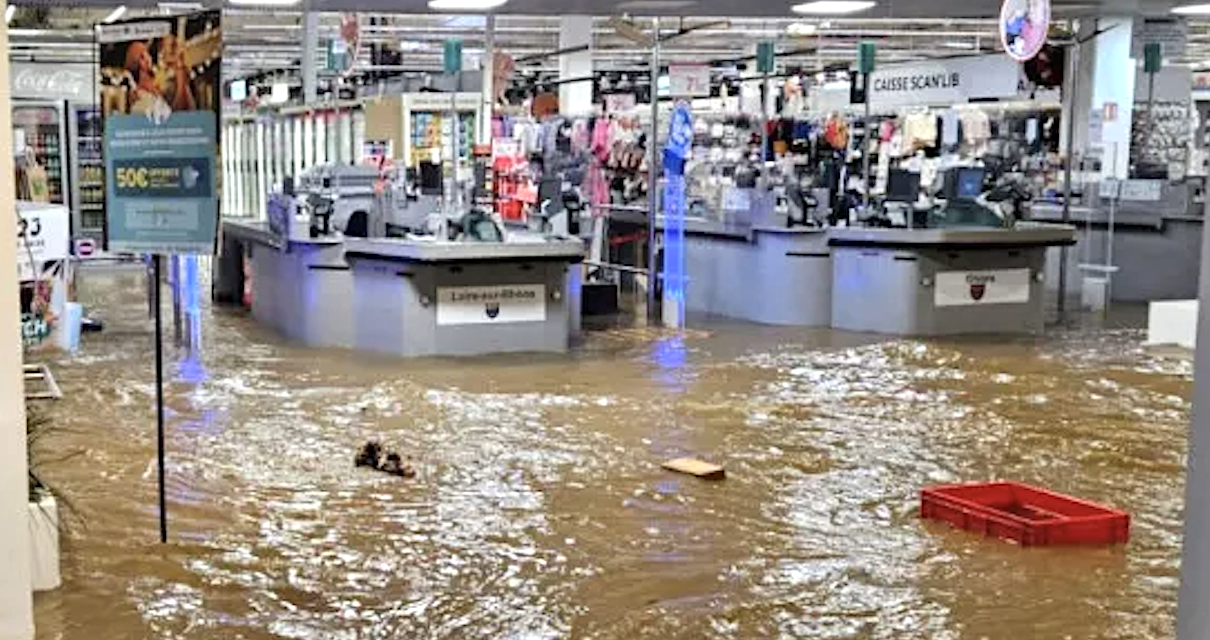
(540, 510)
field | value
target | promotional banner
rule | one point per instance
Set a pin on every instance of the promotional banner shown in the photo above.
(160, 96)
(43, 246)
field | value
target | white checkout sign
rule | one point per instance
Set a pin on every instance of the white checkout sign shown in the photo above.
(975, 288)
(501, 304)
(945, 82)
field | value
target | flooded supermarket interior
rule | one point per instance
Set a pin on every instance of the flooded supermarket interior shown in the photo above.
(540, 509)
(604, 320)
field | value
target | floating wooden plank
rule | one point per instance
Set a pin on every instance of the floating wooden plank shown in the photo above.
(703, 470)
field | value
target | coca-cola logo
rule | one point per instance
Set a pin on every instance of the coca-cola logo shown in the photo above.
(56, 82)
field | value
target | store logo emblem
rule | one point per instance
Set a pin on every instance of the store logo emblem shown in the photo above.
(978, 285)
(492, 309)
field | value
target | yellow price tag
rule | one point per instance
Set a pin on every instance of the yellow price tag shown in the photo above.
(132, 178)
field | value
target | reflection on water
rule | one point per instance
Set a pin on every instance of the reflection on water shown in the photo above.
(540, 510)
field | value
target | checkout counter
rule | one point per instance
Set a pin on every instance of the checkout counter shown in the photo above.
(950, 276)
(1156, 229)
(412, 295)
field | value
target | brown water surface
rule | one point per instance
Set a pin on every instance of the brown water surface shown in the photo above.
(540, 510)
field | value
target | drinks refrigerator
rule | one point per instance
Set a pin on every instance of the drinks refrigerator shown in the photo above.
(87, 172)
(39, 129)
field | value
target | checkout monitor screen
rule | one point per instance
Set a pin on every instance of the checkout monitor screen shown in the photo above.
(969, 183)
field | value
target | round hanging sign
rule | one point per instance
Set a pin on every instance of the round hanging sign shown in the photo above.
(1024, 25)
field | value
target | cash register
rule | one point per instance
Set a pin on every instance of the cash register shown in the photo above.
(961, 189)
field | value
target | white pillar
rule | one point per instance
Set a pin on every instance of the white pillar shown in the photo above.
(488, 67)
(1193, 611)
(16, 600)
(310, 47)
(575, 98)
(1113, 75)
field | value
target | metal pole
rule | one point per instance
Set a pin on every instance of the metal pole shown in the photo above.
(653, 170)
(1073, 80)
(159, 396)
(865, 152)
(1192, 614)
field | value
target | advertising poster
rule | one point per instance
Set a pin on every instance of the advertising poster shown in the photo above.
(43, 245)
(160, 97)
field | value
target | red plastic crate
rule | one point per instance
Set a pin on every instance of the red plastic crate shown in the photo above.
(1025, 514)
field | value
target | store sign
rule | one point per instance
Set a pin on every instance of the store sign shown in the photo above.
(1172, 34)
(491, 305)
(972, 288)
(52, 81)
(619, 102)
(442, 101)
(689, 80)
(161, 142)
(944, 82)
(43, 236)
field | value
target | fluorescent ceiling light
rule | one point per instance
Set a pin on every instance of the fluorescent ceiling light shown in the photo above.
(9, 12)
(180, 7)
(465, 5)
(958, 44)
(654, 5)
(833, 7)
(1192, 10)
(412, 45)
(264, 3)
(802, 29)
(115, 14)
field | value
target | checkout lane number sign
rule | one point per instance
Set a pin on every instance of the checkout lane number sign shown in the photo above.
(970, 288)
(491, 305)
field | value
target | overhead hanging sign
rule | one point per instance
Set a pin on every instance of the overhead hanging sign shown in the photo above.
(161, 142)
(1024, 25)
(689, 80)
(944, 82)
(1172, 34)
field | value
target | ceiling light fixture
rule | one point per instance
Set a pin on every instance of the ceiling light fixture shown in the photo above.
(802, 29)
(958, 44)
(1192, 10)
(114, 15)
(264, 3)
(465, 5)
(833, 7)
(180, 7)
(9, 12)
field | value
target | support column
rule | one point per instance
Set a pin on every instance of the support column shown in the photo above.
(1193, 611)
(1106, 65)
(575, 98)
(310, 48)
(488, 66)
(16, 600)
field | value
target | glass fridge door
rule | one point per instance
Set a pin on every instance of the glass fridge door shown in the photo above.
(87, 173)
(39, 131)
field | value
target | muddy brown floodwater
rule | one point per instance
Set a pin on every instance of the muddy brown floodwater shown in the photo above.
(541, 512)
